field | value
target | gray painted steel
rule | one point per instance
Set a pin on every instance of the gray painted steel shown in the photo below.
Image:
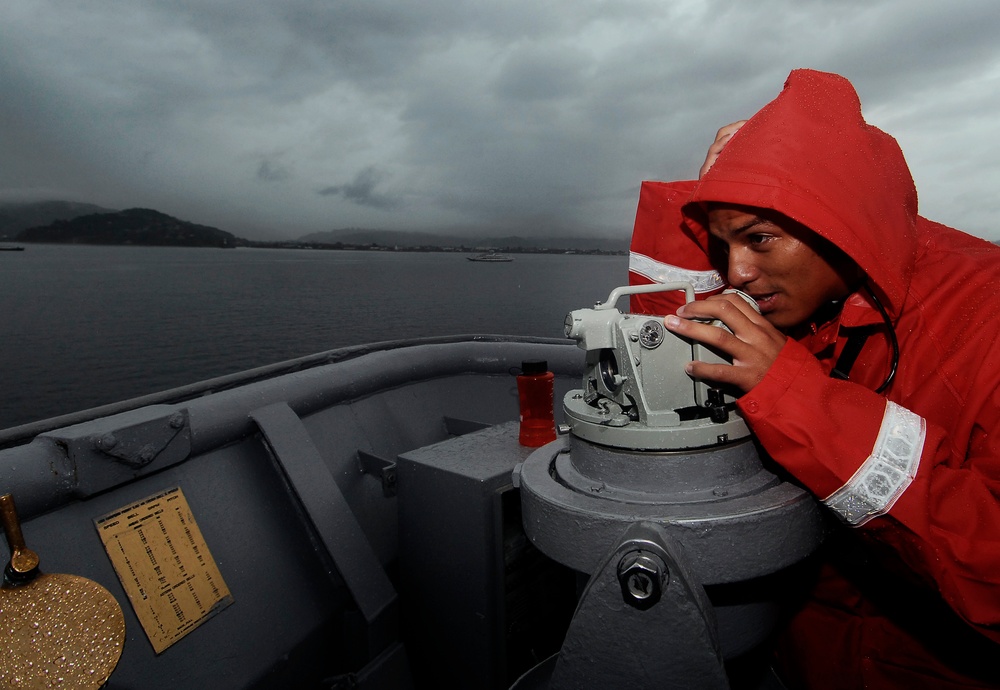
(672, 642)
(452, 558)
(326, 514)
(290, 625)
(324, 485)
(657, 494)
(736, 520)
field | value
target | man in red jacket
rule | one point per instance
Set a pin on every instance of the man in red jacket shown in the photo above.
(870, 375)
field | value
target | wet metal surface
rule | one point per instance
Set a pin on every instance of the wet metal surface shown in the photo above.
(62, 631)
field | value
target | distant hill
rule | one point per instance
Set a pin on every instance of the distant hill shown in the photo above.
(139, 226)
(78, 223)
(398, 238)
(18, 216)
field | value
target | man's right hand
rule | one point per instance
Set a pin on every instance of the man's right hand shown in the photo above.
(721, 139)
(751, 341)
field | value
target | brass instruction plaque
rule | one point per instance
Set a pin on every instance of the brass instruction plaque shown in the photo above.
(164, 565)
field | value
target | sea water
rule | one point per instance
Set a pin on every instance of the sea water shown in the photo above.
(82, 326)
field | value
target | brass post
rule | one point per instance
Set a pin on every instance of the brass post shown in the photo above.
(23, 561)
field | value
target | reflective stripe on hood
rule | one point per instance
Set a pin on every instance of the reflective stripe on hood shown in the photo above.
(810, 155)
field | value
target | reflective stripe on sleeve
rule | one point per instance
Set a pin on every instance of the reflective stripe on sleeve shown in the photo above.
(884, 476)
(659, 272)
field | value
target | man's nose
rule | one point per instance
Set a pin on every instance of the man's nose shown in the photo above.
(742, 268)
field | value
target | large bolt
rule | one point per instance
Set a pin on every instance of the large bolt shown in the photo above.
(642, 576)
(105, 442)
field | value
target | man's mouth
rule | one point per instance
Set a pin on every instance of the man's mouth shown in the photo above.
(765, 301)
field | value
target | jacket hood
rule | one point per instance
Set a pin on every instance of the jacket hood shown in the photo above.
(810, 155)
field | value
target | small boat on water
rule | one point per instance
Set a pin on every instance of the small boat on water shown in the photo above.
(10, 248)
(491, 257)
(367, 518)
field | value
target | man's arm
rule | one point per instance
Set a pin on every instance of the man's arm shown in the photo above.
(886, 470)
(879, 466)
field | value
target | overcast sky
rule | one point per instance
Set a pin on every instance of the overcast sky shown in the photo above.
(276, 118)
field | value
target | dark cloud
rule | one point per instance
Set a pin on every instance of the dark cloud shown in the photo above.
(527, 116)
(269, 171)
(361, 190)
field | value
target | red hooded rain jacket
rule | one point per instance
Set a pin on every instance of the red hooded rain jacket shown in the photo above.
(909, 592)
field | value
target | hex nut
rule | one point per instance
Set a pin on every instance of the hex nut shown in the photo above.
(642, 576)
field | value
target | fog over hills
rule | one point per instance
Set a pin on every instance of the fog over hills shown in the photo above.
(394, 238)
(18, 216)
(75, 222)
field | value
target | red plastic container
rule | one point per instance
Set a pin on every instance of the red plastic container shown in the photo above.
(535, 393)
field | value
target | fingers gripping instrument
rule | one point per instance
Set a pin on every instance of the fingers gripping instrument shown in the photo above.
(635, 392)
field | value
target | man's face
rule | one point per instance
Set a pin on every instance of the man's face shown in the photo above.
(790, 271)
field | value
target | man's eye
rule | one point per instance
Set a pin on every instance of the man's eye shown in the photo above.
(758, 239)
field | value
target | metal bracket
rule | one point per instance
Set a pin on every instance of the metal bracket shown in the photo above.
(643, 622)
(110, 451)
(137, 446)
(384, 469)
(329, 518)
